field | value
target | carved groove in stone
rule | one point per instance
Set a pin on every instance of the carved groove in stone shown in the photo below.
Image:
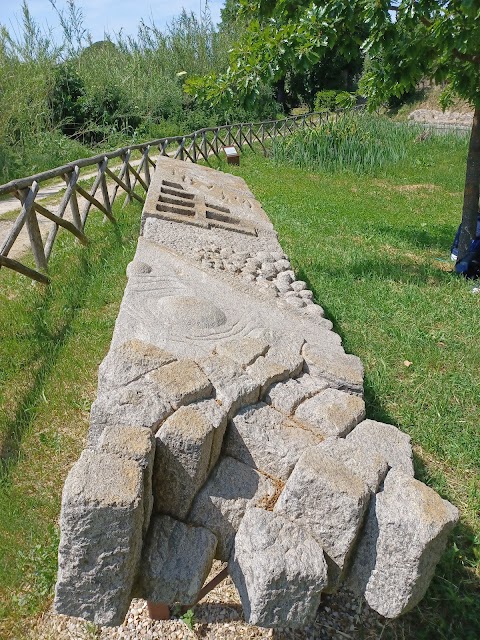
(176, 204)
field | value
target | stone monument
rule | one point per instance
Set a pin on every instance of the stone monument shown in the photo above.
(230, 424)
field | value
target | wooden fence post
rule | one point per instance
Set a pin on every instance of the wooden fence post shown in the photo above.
(103, 184)
(126, 178)
(35, 236)
(146, 166)
(195, 154)
(204, 145)
(71, 194)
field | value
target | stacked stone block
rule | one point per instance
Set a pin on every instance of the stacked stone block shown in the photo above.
(230, 424)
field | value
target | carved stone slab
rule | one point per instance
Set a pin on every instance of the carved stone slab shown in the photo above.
(174, 202)
(222, 358)
(189, 310)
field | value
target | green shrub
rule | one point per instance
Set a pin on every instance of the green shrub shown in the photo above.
(326, 100)
(331, 99)
(50, 149)
(9, 163)
(106, 94)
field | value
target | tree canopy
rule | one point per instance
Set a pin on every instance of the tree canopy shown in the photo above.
(405, 41)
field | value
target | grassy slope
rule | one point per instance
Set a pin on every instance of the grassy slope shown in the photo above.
(368, 248)
(52, 342)
(375, 252)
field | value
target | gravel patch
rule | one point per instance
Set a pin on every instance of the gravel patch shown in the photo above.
(219, 616)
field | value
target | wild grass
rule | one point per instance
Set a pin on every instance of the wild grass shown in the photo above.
(52, 342)
(360, 143)
(375, 251)
(69, 100)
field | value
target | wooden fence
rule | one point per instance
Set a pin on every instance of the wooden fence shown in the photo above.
(125, 169)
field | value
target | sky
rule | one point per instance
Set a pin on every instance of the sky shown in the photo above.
(109, 16)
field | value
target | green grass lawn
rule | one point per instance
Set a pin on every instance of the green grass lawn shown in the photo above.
(53, 340)
(375, 252)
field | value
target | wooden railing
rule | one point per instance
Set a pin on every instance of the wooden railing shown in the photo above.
(126, 169)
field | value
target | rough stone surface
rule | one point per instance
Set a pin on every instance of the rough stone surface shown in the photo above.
(367, 465)
(182, 382)
(287, 356)
(222, 502)
(265, 373)
(278, 569)
(136, 443)
(128, 362)
(266, 440)
(238, 393)
(386, 440)
(446, 119)
(331, 412)
(215, 415)
(342, 370)
(405, 534)
(190, 312)
(330, 500)
(182, 460)
(101, 536)
(139, 404)
(220, 370)
(286, 396)
(214, 324)
(243, 351)
(176, 560)
(285, 350)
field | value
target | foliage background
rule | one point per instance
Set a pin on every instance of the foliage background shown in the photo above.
(64, 101)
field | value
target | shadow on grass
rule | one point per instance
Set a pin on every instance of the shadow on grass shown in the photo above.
(399, 269)
(451, 608)
(50, 345)
(417, 237)
(48, 337)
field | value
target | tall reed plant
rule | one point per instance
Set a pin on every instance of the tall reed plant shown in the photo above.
(351, 141)
(109, 93)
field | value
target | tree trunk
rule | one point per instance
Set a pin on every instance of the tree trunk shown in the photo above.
(472, 189)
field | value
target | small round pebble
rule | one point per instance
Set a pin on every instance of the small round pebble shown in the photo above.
(298, 303)
(282, 287)
(286, 276)
(283, 265)
(306, 294)
(265, 256)
(299, 285)
(268, 271)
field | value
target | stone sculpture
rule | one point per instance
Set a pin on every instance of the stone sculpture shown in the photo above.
(230, 424)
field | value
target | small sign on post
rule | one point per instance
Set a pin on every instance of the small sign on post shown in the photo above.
(233, 157)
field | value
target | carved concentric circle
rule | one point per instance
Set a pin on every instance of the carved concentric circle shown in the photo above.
(190, 314)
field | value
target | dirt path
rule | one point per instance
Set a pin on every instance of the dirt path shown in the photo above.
(11, 204)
